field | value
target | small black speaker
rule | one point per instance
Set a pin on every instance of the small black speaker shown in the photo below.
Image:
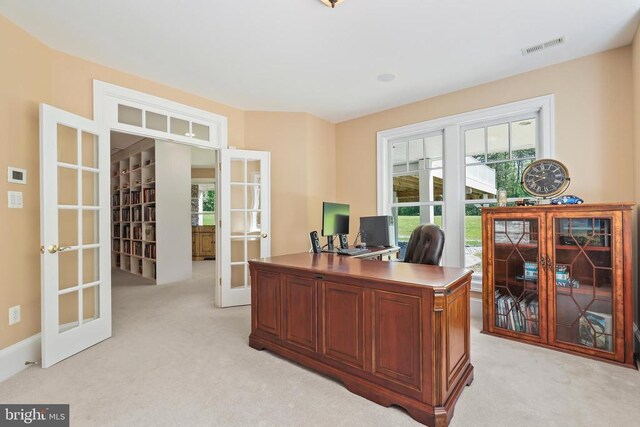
(344, 242)
(315, 242)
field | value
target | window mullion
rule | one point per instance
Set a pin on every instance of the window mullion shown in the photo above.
(453, 196)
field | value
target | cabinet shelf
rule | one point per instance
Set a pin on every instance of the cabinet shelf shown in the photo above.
(586, 249)
(586, 291)
(560, 247)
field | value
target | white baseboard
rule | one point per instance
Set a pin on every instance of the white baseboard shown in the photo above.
(475, 308)
(13, 357)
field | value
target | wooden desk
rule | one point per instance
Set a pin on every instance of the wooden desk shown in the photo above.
(394, 333)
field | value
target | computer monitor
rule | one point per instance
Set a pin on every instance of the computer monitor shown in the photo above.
(378, 230)
(335, 220)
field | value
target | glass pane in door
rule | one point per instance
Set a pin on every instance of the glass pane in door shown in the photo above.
(584, 282)
(68, 311)
(515, 266)
(77, 249)
(89, 150)
(246, 208)
(91, 303)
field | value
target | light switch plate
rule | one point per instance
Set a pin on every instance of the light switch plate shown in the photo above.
(15, 199)
(16, 175)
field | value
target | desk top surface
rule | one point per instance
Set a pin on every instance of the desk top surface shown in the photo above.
(397, 272)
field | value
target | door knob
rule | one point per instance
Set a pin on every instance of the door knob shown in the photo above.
(264, 235)
(54, 248)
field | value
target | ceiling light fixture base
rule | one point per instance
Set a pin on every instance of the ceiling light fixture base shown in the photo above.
(331, 3)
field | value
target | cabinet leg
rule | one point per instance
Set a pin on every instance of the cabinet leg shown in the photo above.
(256, 344)
(470, 379)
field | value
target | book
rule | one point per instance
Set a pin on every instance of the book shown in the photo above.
(595, 329)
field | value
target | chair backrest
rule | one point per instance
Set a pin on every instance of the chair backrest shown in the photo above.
(425, 245)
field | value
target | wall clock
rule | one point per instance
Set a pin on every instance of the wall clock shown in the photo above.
(545, 178)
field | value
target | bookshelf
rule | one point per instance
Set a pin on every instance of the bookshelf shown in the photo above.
(133, 196)
(143, 243)
(560, 277)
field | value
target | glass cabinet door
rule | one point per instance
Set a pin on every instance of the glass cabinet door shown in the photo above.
(584, 282)
(517, 275)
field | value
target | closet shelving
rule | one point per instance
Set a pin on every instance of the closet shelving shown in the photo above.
(133, 207)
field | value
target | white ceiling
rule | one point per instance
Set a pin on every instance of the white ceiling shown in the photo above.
(202, 158)
(299, 55)
(120, 141)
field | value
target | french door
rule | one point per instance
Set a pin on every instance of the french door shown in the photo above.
(74, 227)
(244, 221)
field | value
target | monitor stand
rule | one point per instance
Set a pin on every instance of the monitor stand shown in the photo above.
(330, 247)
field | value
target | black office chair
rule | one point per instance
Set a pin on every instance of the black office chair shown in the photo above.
(425, 245)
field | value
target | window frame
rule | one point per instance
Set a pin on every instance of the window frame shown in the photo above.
(411, 172)
(200, 213)
(454, 164)
(476, 280)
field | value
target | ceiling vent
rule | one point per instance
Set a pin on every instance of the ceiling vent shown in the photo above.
(542, 46)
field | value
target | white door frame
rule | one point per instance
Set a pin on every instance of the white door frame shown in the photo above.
(107, 97)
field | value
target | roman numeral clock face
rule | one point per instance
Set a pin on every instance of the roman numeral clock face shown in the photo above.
(545, 178)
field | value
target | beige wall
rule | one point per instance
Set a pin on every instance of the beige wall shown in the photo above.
(72, 88)
(203, 173)
(25, 81)
(635, 58)
(31, 74)
(594, 132)
(302, 172)
(320, 171)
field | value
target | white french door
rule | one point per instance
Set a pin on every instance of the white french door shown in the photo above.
(74, 227)
(244, 221)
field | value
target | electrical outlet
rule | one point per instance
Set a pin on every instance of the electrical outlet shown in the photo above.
(14, 315)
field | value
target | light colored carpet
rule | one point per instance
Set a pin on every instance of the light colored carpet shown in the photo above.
(174, 359)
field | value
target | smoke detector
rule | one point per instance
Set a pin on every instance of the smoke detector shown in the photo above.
(542, 46)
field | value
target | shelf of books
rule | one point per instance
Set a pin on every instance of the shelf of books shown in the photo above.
(515, 258)
(133, 205)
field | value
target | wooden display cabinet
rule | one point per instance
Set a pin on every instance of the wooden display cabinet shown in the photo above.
(560, 277)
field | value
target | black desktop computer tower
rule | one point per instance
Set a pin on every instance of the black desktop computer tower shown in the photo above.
(378, 230)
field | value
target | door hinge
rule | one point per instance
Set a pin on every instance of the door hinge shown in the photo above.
(221, 282)
(220, 224)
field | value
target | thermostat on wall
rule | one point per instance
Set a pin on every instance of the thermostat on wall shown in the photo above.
(17, 175)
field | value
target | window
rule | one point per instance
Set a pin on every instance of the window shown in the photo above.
(495, 155)
(203, 201)
(444, 171)
(418, 181)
